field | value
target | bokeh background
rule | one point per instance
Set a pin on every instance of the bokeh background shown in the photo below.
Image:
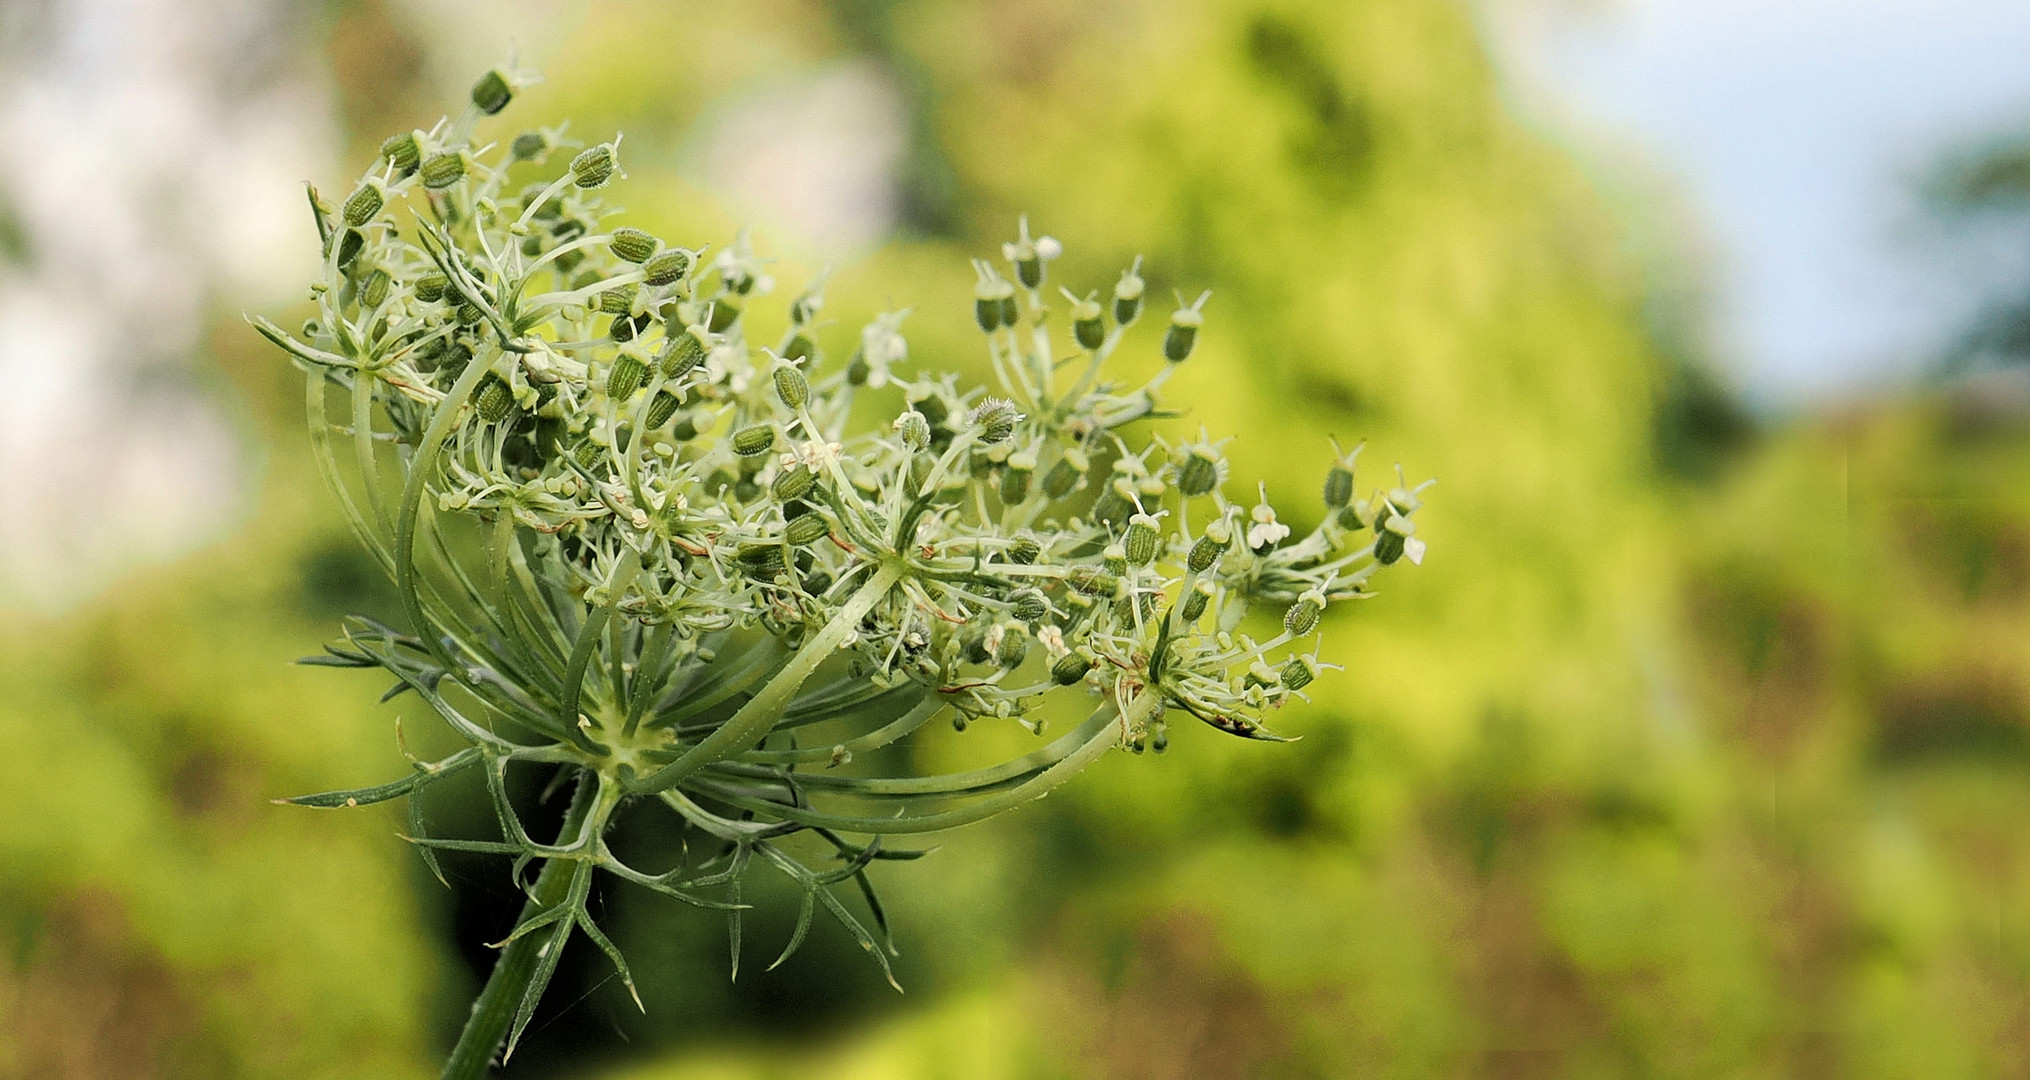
(1700, 746)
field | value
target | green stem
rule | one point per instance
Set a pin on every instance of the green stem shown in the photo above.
(494, 1010)
(763, 711)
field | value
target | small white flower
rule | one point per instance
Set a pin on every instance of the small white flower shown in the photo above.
(1053, 641)
(1266, 529)
(1413, 550)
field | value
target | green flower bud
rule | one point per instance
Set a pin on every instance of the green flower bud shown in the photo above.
(493, 399)
(626, 376)
(617, 301)
(1140, 541)
(635, 246)
(724, 315)
(995, 418)
(375, 289)
(1128, 295)
(492, 92)
(628, 327)
(761, 561)
(1088, 324)
(588, 454)
(792, 483)
(791, 386)
(440, 171)
(529, 145)
(1195, 601)
(1029, 606)
(805, 530)
(1010, 312)
(1113, 506)
(666, 267)
(685, 351)
(365, 203)
(685, 429)
(404, 152)
(754, 440)
(1349, 519)
(469, 313)
(1338, 487)
(1302, 617)
(1070, 669)
(1182, 335)
(661, 409)
(1298, 672)
(799, 349)
(1115, 557)
(1024, 550)
(430, 288)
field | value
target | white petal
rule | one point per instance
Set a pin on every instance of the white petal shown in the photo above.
(1413, 550)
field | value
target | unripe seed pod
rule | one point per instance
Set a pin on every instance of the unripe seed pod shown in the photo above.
(988, 297)
(799, 349)
(628, 327)
(1029, 606)
(349, 244)
(1197, 476)
(593, 167)
(661, 409)
(1088, 324)
(1014, 485)
(626, 376)
(665, 267)
(469, 313)
(492, 92)
(1014, 647)
(1298, 673)
(1195, 601)
(375, 289)
(587, 454)
(995, 418)
(1128, 295)
(1115, 558)
(532, 245)
(403, 152)
(1302, 617)
(493, 399)
(530, 145)
(1206, 551)
(1338, 487)
(1069, 669)
(1113, 506)
(1182, 335)
(1092, 581)
(753, 440)
(440, 171)
(685, 429)
(633, 245)
(430, 288)
(1140, 541)
(617, 301)
(685, 351)
(724, 315)
(806, 529)
(1010, 313)
(913, 429)
(1024, 550)
(1349, 519)
(791, 386)
(1391, 538)
(1064, 476)
(792, 483)
(762, 561)
(365, 203)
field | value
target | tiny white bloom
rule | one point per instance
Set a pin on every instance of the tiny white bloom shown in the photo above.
(1266, 529)
(1053, 641)
(1413, 550)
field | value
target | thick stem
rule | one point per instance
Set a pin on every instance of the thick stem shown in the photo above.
(494, 1011)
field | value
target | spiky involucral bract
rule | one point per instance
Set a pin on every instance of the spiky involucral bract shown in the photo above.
(727, 616)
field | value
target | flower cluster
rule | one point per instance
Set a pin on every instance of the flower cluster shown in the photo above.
(639, 544)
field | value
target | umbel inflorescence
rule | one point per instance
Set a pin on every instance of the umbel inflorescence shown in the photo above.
(666, 559)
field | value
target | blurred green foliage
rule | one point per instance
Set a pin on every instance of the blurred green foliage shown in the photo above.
(1691, 751)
